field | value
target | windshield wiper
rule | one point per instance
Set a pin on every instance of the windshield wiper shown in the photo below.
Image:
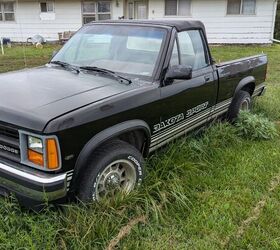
(119, 78)
(66, 65)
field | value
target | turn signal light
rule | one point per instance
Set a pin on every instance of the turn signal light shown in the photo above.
(52, 154)
(35, 157)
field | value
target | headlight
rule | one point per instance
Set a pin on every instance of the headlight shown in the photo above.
(40, 151)
(35, 144)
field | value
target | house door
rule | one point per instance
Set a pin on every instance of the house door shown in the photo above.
(137, 10)
(141, 10)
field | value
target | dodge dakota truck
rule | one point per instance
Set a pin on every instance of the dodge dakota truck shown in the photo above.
(80, 126)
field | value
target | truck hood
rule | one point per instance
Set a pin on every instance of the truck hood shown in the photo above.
(30, 98)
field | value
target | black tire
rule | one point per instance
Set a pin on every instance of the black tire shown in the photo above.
(241, 98)
(113, 151)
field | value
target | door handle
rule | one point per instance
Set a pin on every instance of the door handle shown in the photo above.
(207, 78)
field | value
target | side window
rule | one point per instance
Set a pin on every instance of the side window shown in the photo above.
(192, 50)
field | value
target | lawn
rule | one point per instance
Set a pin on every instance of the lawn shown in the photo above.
(213, 190)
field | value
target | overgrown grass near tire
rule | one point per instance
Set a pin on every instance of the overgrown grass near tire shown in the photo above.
(196, 194)
(255, 127)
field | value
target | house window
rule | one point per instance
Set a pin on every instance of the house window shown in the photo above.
(241, 7)
(47, 7)
(177, 7)
(93, 11)
(7, 11)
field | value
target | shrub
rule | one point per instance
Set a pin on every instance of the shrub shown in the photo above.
(255, 127)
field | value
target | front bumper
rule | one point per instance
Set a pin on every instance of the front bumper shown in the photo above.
(32, 185)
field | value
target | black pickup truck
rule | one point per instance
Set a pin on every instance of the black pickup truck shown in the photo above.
(81, 125)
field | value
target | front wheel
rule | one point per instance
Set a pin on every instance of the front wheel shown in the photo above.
(115, 167)
(242, 101)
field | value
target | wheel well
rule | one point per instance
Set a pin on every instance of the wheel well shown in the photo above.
(136, 138)
(249, 87)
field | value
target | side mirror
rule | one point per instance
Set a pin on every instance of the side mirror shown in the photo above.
(180, 72)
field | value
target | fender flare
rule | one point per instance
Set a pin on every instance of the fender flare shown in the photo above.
(106, 135)
(244, 82)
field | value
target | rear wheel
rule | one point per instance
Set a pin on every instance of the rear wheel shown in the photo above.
(115, 167)
(242, 101)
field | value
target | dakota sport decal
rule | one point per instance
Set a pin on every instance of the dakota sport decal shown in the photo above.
(177, 118)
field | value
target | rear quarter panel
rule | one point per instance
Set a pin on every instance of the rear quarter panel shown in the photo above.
(233, 72)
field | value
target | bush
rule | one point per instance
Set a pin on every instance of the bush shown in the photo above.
(255, 127)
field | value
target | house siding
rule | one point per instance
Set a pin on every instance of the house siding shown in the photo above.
(68, 17)
(221, 28)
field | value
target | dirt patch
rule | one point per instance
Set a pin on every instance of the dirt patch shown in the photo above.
(125, 231)
(255, 213)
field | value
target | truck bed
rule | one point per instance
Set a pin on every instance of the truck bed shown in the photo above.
(231, 73)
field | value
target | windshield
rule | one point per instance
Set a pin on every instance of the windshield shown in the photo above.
(124, 49)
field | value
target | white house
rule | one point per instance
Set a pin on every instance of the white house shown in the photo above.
(227, 21)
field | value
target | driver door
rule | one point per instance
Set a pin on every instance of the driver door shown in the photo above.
(186, 104)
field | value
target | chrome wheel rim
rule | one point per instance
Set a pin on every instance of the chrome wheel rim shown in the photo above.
(118, 176)
(245, 105)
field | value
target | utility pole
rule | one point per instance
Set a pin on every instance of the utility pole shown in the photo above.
(2, 47)
(274, 21)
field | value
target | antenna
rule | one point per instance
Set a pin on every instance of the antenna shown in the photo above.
(23, 43)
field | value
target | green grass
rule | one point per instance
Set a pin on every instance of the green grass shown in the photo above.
(18, 57)
(196, 195)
